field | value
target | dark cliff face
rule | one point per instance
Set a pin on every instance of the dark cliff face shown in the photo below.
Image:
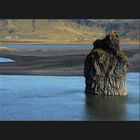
(106, 67)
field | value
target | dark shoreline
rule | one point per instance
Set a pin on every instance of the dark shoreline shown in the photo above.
(55, 62)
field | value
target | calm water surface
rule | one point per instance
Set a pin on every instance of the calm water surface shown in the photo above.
(61, 46)
(3, 59)
(62, 98)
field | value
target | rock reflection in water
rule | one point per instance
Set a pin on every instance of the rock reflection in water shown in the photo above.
(105, 108)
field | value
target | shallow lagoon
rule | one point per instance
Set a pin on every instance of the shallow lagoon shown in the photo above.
(3, 59)
(62, 46)
(62, 98)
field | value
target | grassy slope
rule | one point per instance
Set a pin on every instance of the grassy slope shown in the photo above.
(51, 30)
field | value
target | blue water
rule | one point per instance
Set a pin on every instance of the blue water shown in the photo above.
(2, 59)
(52, 46)
(62, 98)
(56, 46)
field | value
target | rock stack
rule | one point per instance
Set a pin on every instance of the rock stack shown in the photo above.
(106, 67)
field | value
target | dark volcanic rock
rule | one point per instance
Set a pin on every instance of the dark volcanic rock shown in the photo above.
(106, 67)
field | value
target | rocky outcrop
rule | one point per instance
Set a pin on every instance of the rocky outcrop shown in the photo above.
(106, 67)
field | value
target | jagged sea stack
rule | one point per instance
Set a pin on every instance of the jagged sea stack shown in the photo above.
(106, 67)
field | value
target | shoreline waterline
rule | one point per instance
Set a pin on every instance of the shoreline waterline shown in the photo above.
(61, 42)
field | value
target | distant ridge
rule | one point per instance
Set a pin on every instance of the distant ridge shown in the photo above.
(66, 29)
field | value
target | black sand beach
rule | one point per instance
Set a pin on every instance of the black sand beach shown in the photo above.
(61, 62)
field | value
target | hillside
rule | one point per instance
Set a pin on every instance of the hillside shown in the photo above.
(76, 30)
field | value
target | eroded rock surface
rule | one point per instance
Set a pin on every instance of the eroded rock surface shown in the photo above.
(106, 67)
